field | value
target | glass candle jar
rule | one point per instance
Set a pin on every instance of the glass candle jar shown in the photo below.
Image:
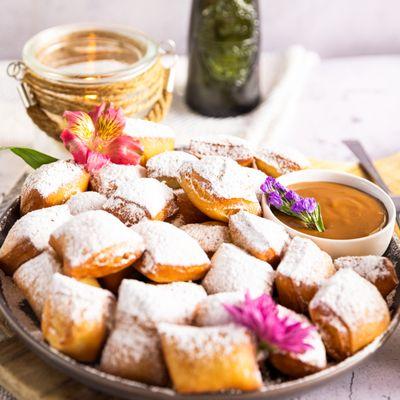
(76, 67)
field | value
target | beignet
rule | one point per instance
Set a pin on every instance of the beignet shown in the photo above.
(210, 359)
(154, 137)
(76, 317)
(187, 213)
(211, 310)
(34, 277)
(112, 176)
(260, 237)
(133, 349)
(165, 166)
(95, 244)
(380, 271)
(298, 365)
(143, 198)
(349, 312)
(255, 176)
(29, 236)
(222, 145)
(276, 161)
(209, 236)
(86, 201)
(303, 269)
(52, 184)
(218, 187)
(171, 254)
(233, 270)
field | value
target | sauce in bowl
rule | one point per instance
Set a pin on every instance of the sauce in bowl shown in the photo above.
(348, 213)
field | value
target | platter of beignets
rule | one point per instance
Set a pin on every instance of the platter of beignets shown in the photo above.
(123, 278)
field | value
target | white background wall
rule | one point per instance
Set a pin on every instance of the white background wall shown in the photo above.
(331, 27)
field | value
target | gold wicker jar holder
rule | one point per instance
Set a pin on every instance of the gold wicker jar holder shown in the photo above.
(76, 67)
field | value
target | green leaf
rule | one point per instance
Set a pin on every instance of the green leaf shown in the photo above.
(32, 157)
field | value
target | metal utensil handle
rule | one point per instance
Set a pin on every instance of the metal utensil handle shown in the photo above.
(358, 149)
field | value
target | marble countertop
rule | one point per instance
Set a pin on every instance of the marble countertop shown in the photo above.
(344, 98)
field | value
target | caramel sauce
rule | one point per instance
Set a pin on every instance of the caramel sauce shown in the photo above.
(348, 213)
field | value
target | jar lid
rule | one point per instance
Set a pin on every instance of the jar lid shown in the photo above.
(86, 54)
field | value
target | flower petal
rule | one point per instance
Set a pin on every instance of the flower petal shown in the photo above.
(109, 122)
(76, 146)
(96, 161)
(125, 150)
(80, 124)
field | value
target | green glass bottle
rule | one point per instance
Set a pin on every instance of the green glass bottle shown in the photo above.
(224, 46)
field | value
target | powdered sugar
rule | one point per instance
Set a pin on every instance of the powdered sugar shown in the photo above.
(220, 176)
(352, 299)
(232, 269)
(204, 342)
(211, 310)
(112, 176)
(221, 145)
(371, 268)
(149, 304)
(147, 193)
(305, 263)
(167, 164)
(209, 236)
(79, 302)
(91, 232)
(34, 278)
(256, 233)
(284, 160)
(48, 178)
(139, 128)
(36, 228)
(169, 245)
(86, 201)
(255, 178)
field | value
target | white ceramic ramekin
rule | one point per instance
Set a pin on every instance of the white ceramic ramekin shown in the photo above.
(375, 244)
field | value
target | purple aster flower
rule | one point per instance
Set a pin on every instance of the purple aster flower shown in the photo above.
(274, 199)
(268, 185)
(281, 332)
(280, 187)
(292, 196)
(310, 204)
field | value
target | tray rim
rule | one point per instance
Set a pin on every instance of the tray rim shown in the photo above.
(125, 388)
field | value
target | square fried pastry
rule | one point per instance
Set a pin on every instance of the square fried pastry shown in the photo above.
(380, 271)
(218, 187)
(108, 179)
(349, 312)
(211, 310)
(301, 272)
(171, 254)
(86, 201)
(143, 198)
(255, 178)
(29, 236)
(34, 277)
(133, 349)
(209, 235)
(153, 136)
(95, 244)
(260, 237)
(76, 317)
(222, 145)
(210, 359)
(276, 161)
(297, 365)
(165, 166)
(52, 184)
(232, 269)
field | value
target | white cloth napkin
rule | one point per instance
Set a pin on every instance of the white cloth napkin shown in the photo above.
(282, 75)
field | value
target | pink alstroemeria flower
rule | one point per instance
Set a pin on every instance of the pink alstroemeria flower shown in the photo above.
(97, 137)
(275, 332)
